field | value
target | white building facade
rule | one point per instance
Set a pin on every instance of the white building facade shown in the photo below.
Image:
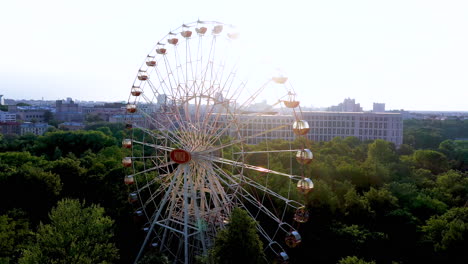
(324, 126)
(7, 117)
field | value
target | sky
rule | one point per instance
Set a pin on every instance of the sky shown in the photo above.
(408, 54)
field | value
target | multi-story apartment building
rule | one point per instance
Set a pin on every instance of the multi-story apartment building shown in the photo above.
(35, 128)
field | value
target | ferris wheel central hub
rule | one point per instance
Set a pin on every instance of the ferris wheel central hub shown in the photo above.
(180, 156)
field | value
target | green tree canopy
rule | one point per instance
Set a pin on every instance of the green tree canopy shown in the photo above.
(449, 233)
(354, 260)
(76, 234)
(14, 231)
(239, 242)
(431, 160)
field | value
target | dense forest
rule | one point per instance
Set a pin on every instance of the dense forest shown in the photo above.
(64, 201)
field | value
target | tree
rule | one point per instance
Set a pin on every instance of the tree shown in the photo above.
(14, 231)
(76, 142)
(27, 186)
(354, 260)
(76, 234)
(448, 233)
(91, 118)
(381, 201)
(452, 188)
(431, 160)
(382, 151)
(239, 242)
(154, 258)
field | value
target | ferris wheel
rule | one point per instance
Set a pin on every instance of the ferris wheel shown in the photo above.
(191, 120)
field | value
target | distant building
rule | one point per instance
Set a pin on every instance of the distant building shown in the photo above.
(9, 128)
(30, 113)
(363, 125)
(68, 111)
(2, 101)
(72, 126)
(105, 111)
(348, 105)
(135, 119)
(35, 128)
(324, 126)
(378, 107)
(7, 117)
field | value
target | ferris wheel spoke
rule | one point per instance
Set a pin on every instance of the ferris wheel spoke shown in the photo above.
(153, 195)
(249, 197)
(228, 84)
(217, 193)
(254, 96)
(169, 74)
(260, 229)
(154, 90)
(264, 189)
(157, 167)
(166, 88)
(153, 169)
(250, 167)
(238, 178)
(189, 60)
(165, 148)
(266, 151)
(178, 65)
(169, 134)
(211, 131)
(156, 216)
(243, 139)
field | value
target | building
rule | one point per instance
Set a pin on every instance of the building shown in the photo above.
(324, 126)
(348, 105)
(35, 128)
(136, 119)
(2, 101)
(68, 111)
(378, 107)
(31, 113)
(254, 127)
(105, 111)
(72, 126)
(9, 128)
(7, 117)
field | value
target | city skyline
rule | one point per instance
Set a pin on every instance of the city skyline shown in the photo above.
(408, 54)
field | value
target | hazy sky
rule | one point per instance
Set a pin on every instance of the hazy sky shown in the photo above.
(407, 54)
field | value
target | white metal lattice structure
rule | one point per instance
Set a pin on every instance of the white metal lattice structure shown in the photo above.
(189, 159)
